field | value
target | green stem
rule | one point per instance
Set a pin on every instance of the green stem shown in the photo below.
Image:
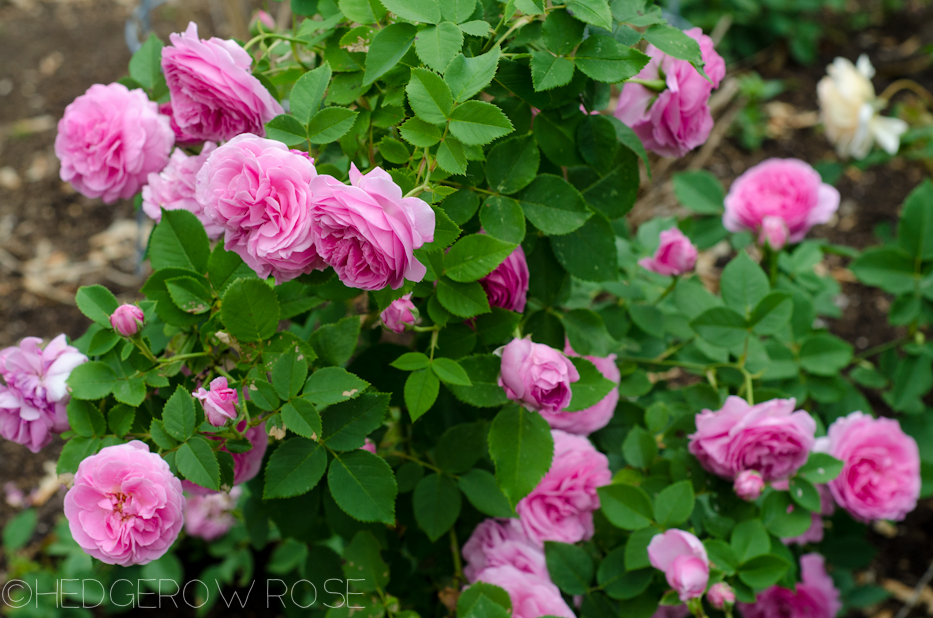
(414, 459)
(142, 347)
(270, 35)
(666, 291)
(878, 349)
(455, 551)
(434, 336)
(178, 357)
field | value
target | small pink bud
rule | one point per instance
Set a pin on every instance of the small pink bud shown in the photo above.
(399, 314)
(749, 485)
(219, 402)
(369, 445)
(720, 595)
(262, 17)
(774, 232)
(675, 255)
(127, 319)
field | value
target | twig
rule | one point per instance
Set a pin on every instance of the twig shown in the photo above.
(917, 593)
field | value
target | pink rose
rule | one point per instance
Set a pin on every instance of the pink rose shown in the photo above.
(210, 517)
(816, 595)
(814, 533)
(561, 507)
(258, 192)
(214, 95)
(536, 375)
(531, 596)
(262, 17)
(181, 138)
(399, 313)
(676, 120)
(174, 189)
(675, 255)
(497, 543)
(749, 485)
(682, 558)
(245, 465)
(33, 400)
(769, 437)
(774, 232)
(125, 506)
(109, 140)
(880, 478)
(597, 416)
(369, 445)
(786, 189)
(126, 319)
(368, 231)
(720, 595)
(507, 285)
(219, 402)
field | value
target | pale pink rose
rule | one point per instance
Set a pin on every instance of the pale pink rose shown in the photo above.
(748, 485)
(369, 445)
(682, 558)
(125, 506)
(787, 189)
(245, 465)
(880, 478)
(814, 533)
(214, 95)
(109, 141)
(769, 437)
(536, 375)
(399, 314)
(210, 517)
(219, 403)
(675, 255)
(720, 595)
(815, 597)
(258, 192)
(561, 507)
(497, 543)
(507, 285)
(126, 319)
(598, 415)
(531, 596)
(676, 120)
(33, 400)
(174, 189)
(368, 231)
(774, 232)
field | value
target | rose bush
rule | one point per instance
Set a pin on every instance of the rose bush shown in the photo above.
(428, 353)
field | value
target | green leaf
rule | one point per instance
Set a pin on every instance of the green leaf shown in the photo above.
(512, 165)
(103, 341)
(824, 354)
(743, 284)
(636, 550)
(225, 267)
(589, 251)
(476, 123)
(462, 299)
(179, 241)
(250, 310)
(604, 59)
(720, 326)
(429, 96)
(820, 468)
(503, 218)
(302, 417)
(436, 503)
(392, 42)
(178, 415)
(335, 343)
(549, 71)
(699, 191)
(438, 45)
(477, 601)
(330, 124)
(330, 385)
(86, 419)
(19, 529)
(804, 494)
(721, 556)
(476, 27)
(554, 206)
(640, 449)
(457, 11)
(421, 389)
(557, 137)
(189, 294)
(561, 32)
(347, 424)
(521, 447)
(674, 504)
(294, 468)
(422, 11)
(467, 76)
(363, 485)
(393, 150)
(288, 375)
(626, 506)
(480, 488)
(263, 395)
(590, 389)
(630, 140)
(146, 64)
(569, 566)
(363, 564)
(772, 313)
(198, 463)
(452, 157)
(411, 361)
(309, 90)
(97, 303)
(419, 133)
(287, 129)
(587, 333)
(475, 256)
(93, 380)
(362, 11)
(915, 229)
(619, 583)
(764, 571)
(749, 540)
(485, 391)
(74, 452)
(120, 419)
(461, 206)
(675, 42)
(594, 12)
(597, 142)
(888, 268)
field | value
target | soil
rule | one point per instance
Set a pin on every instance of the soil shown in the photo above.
(53, 50)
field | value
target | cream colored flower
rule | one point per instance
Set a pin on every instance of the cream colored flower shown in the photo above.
(849, 110)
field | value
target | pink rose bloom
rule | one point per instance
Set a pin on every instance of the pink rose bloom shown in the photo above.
(33, 400)
(109, 141)
(720, 595)
(682, 558)
(561, 507)
(258, 192)
(399, 313)
(769, 437)
(785, 189)
(880, 478)
(219, 402)
(676, 120)
(174, 189)
(536, 375)
(368, 231)
(531, 596)
(496, 543)
(816, 595)
(214, 95)
(209, 517)
(507, 285)
(597, 416)
(126, 319)
(181, 138)
(245, 465)
(814, 533)
(774, 232)
(675, 255)
(125, 506)
(749, 485)
(369, 445)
